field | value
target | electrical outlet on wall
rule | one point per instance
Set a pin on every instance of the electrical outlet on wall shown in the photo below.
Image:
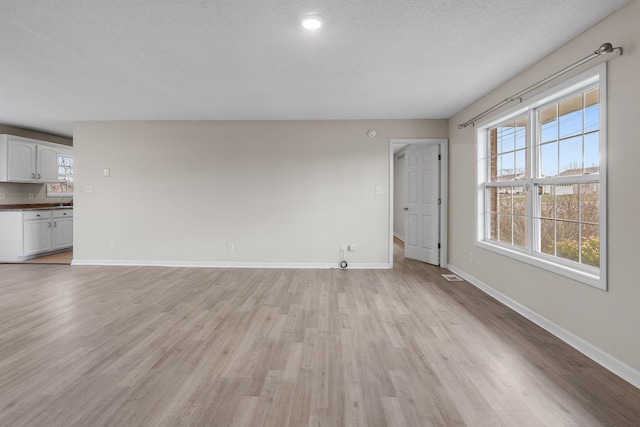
(230, 247)
(112, 244)
(30, 196)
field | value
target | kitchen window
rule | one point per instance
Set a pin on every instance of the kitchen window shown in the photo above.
(64, 186)
(541, 196)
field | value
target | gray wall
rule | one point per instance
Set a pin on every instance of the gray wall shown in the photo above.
(281, 191)
(606, 320)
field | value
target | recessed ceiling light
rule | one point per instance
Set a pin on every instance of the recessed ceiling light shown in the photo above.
(311, 21)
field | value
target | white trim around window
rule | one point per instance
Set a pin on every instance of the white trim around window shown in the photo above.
(532, 253)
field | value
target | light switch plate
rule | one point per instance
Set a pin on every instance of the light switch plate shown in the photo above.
(107, 172)
(88, 188)
(378, 189)
(30, 196)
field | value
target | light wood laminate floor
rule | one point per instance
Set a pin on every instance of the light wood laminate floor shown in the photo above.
(144, 346)
(61, 258)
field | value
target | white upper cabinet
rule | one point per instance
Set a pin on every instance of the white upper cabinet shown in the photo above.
(28, 160)
(21, 161)
(47, 164)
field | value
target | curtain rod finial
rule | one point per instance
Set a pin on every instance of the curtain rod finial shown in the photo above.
(604, 48)
(607, 48)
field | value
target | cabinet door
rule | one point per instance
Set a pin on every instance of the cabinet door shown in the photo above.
(37, 236)
(62, 233)
(22, 161)
(47, 160)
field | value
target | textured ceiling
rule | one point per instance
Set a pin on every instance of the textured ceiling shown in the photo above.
(69, 60)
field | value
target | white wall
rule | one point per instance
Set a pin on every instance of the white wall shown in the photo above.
(400, 193)
(282, 192)
(610, 321)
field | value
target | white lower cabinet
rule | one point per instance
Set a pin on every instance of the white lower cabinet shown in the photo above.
(37, 232)
(34, 232)
(62, 229)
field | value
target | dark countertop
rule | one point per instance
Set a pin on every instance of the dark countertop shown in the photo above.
(34, 207)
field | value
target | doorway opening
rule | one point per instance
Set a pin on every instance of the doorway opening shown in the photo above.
(419, 219)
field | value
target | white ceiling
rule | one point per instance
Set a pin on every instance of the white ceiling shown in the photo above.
(72, 60)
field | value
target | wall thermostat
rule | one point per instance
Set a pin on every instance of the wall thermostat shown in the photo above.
(371, 133)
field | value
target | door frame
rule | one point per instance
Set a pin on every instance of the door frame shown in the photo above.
(444, 196)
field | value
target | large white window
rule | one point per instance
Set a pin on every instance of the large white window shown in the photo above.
(542, 182)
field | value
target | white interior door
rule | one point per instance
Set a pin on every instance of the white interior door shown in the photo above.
(423, 209)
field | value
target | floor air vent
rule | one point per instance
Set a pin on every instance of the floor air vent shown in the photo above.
(452, 277)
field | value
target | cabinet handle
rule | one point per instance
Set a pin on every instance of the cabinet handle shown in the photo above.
(38, 176)
(49, 225)
(33, 176)
(38, 215)
(55, 224)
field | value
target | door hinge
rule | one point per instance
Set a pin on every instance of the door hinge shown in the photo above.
(438, 245)
(439, 201)
(439, 156)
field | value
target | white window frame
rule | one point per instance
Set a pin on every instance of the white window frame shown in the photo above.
(65, 194)
(596, 277)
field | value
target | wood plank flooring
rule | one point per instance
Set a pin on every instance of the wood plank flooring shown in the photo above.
(145, 346)
(61, 258)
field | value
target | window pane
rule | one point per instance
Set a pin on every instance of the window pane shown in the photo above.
(549, 160)
(571, 116)
(547, 236)
(590, 246)
(592, 152)
(520, 231)
(493, 199)
(567, 202)
(505, 201)
(547, 202)
(522, 125)
(506, 138)
(548, 119)
(506, 167)
(571, 156)
(493, 168)
(567, 240)
(590, 203)
(519, 201)
(592, 110)
(521, 169)
(493, 226)
(505, 228)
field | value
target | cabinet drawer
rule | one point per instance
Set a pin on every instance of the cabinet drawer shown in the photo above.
(31, 215)
(63, 213)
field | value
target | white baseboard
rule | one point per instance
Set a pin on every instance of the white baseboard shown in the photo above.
(207, 264)
(614, 365)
